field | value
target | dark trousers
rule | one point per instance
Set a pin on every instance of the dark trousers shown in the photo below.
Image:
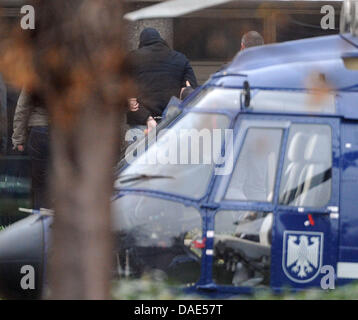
(38, 150)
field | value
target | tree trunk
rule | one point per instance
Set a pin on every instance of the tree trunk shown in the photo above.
(81, 262)
(74, 62)
(79, 58)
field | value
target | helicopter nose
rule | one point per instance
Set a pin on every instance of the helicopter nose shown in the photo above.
(21, 258)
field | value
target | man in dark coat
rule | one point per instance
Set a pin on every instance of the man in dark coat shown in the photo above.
(159, 73)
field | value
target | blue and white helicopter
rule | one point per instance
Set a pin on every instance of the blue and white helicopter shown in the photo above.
(279, 210)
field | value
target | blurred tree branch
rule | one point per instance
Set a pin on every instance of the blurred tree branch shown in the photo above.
(74, 61)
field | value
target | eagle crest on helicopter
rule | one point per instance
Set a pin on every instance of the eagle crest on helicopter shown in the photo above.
(303, 257)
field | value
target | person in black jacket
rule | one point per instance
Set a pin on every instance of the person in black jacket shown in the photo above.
(159, 73)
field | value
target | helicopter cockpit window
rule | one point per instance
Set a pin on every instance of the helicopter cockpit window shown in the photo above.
(242, 248)
(183, 158)
(158, 236)
(307, 172)
(296, 102)
(254, 176)
(216, 99)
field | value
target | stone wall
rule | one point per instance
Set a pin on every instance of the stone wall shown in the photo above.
(164, 26)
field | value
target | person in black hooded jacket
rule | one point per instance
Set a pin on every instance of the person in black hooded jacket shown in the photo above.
(159, 73)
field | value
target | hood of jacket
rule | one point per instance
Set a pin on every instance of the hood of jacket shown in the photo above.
(150, 36)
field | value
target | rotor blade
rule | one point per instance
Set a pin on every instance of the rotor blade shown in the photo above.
(176, 8)
(172, 8)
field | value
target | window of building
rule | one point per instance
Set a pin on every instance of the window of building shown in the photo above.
(212, 39)
(299, 26)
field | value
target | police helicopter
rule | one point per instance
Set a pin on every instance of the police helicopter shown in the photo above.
(274, 206)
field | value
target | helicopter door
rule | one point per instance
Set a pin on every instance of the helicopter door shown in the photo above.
(243, 221)
(306, 217)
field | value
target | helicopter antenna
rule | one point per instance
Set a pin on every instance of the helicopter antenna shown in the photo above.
(246, 93)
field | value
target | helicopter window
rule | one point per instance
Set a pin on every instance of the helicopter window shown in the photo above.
(284, 101)
(157, 236)
(254, 176)
(182, 155)
(217, 98)
(242, 248)
(306, 178)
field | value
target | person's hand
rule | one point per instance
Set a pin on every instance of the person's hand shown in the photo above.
(151, 124)
(20, 148)
(133, 104)
(187, 83)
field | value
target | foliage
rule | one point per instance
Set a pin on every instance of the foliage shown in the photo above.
(149, 289)
(347, 292)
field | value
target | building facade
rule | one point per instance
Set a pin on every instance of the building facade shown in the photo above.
(212, 36)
